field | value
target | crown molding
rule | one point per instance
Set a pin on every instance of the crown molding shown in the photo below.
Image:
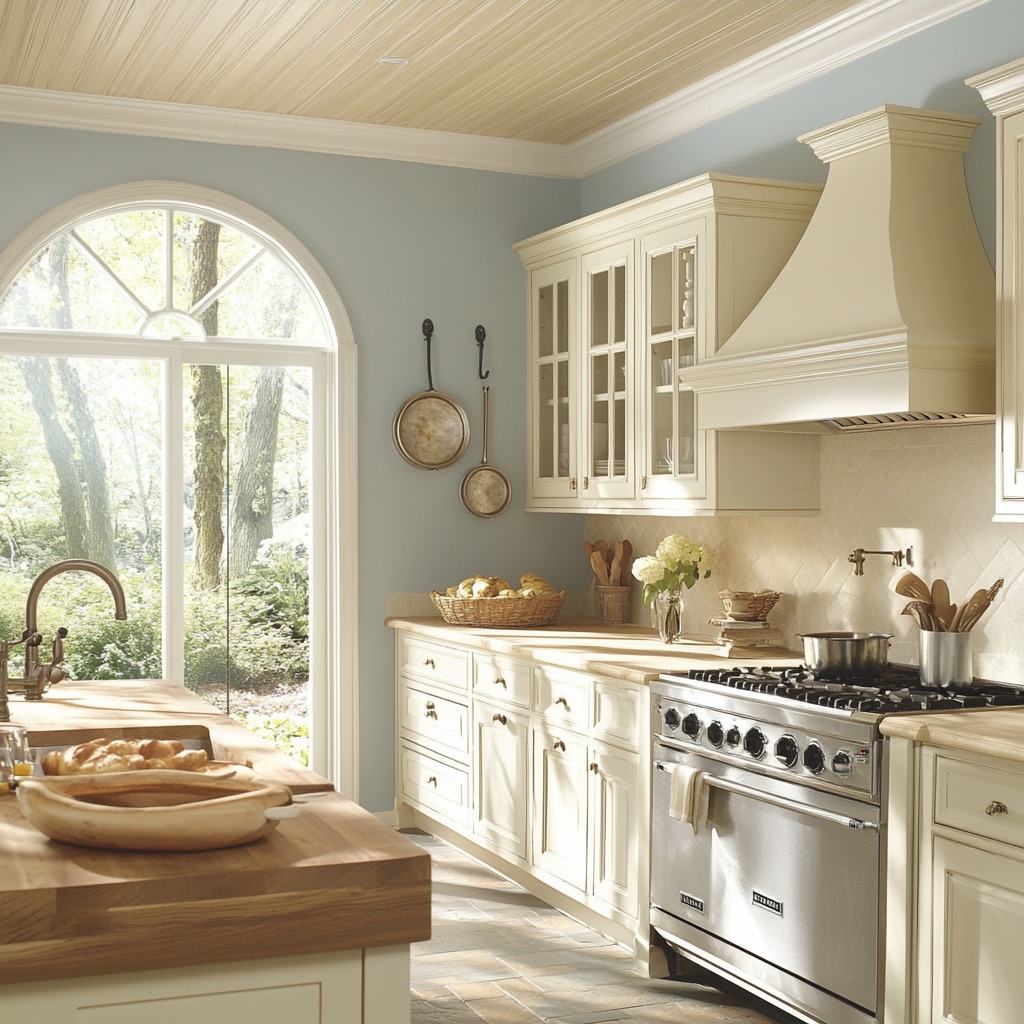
(868, 27)
(862, 30)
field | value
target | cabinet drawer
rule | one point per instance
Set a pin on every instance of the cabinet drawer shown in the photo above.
(500, 678)
(433, 785)
(429, 660)
(434, 720)
(986, 801)
(562, 697)
(617, 713)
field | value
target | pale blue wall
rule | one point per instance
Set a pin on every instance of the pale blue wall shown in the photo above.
(404, 241)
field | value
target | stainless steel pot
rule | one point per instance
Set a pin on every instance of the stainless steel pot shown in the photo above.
(846, 654)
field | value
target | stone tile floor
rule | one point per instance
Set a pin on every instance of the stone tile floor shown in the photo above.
(500, 955)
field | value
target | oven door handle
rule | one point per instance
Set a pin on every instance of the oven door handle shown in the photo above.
(814, 812)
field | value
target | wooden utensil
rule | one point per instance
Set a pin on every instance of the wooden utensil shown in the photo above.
(923, 613)
(941, 605)
(615, 571)
(969, 612)
(911, 585)
(627, 562)
(600, 567)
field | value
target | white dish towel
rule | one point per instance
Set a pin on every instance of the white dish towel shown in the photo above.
(688, 797)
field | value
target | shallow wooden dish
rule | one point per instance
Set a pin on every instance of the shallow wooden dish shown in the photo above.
(151, 810)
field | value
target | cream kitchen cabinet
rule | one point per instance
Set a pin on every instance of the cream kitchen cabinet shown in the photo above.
(963, 923)
(1003, 91)
(620, 303)
(971, 899)
(550, 788)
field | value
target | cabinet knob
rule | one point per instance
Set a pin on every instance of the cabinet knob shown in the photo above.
(432, 781)
(997, 807)
(643, 483)
(431, 713)
(572, 485)
(563, 702)
(586, 482)
(429, 662)
(498, 717)
(558, 745)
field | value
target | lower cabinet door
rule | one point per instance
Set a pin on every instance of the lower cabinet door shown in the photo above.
(500, 763)
(977, 936)
(560, 805)
(614, 828)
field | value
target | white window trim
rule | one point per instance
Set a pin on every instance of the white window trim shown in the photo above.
(334, 691)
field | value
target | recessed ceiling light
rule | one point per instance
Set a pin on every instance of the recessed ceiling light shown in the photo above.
(394, 62)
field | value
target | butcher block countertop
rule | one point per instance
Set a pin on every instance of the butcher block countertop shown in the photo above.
(333, 877)
(990, 732)
(631, 653)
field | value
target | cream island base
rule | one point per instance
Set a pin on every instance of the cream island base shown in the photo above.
(311, 924)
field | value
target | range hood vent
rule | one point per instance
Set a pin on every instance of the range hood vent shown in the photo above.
(885, 313)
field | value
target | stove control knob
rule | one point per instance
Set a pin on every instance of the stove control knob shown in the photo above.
(692, 726)
(734, 737)
(672, 719)
(814, 758)
(842, 763)
(787, 751)
(716, 734)
(754, 743)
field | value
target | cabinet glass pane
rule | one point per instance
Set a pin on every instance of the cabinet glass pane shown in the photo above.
(661, 293)
(562, 408)
(671, 337)
(562, 318)
(545, 320)
(547, 417)
(599, 309)
(619, 304)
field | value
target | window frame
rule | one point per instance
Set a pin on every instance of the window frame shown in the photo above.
(333, 693)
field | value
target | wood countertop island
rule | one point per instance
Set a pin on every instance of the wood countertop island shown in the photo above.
(329, 880)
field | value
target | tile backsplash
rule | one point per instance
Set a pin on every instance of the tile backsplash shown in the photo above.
(926, 488)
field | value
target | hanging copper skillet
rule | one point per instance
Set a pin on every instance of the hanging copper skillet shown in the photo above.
(485, 490)
(431, 430)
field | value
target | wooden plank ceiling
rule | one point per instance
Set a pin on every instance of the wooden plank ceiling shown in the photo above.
(552, 71)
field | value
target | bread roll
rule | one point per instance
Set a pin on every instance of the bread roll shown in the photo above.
(102, 755)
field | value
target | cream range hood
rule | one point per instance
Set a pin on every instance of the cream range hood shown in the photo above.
(885, 313)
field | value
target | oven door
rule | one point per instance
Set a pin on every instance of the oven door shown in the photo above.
(781, 883)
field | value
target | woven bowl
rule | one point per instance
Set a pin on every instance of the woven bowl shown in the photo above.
(499, 612)
(748, 606)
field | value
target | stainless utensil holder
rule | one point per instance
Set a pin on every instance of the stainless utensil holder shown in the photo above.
(946, 659)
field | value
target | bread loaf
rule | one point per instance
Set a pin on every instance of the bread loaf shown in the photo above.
(104, 755)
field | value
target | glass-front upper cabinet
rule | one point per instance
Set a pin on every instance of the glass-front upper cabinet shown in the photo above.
(608, 402)
(670, 449)
(552, 390)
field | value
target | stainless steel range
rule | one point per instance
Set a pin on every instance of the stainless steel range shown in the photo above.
(768, 828)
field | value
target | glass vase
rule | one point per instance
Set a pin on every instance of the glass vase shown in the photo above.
(667, 615)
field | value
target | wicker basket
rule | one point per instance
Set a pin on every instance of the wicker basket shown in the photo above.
(748, 606)
(507, 612)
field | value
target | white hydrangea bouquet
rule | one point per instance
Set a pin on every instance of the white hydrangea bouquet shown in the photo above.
(678, 562)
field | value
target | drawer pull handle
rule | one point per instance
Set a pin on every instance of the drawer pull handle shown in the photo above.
(429, 662)
(431, 713)
(997, 807)
(594, 768)
(563, 702)
(498, 717)
(558, 745)
(432, 780)
(500, 681)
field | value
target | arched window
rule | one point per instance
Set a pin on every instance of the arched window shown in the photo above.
(183, 375)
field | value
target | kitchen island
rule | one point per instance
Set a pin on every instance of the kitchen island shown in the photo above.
(310, 924)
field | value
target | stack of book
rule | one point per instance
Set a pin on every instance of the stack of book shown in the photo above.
(760, 633)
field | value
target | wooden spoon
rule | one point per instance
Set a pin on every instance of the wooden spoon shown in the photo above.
(969, 612)
(941, 605)
(600, 567)
(615, 571)
(911, 585)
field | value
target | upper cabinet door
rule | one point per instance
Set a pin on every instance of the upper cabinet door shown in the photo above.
(552, 395)
(608, 388)
(1003, 91)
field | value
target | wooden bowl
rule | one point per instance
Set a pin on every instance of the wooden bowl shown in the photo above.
(151, 810)
(748, 606)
